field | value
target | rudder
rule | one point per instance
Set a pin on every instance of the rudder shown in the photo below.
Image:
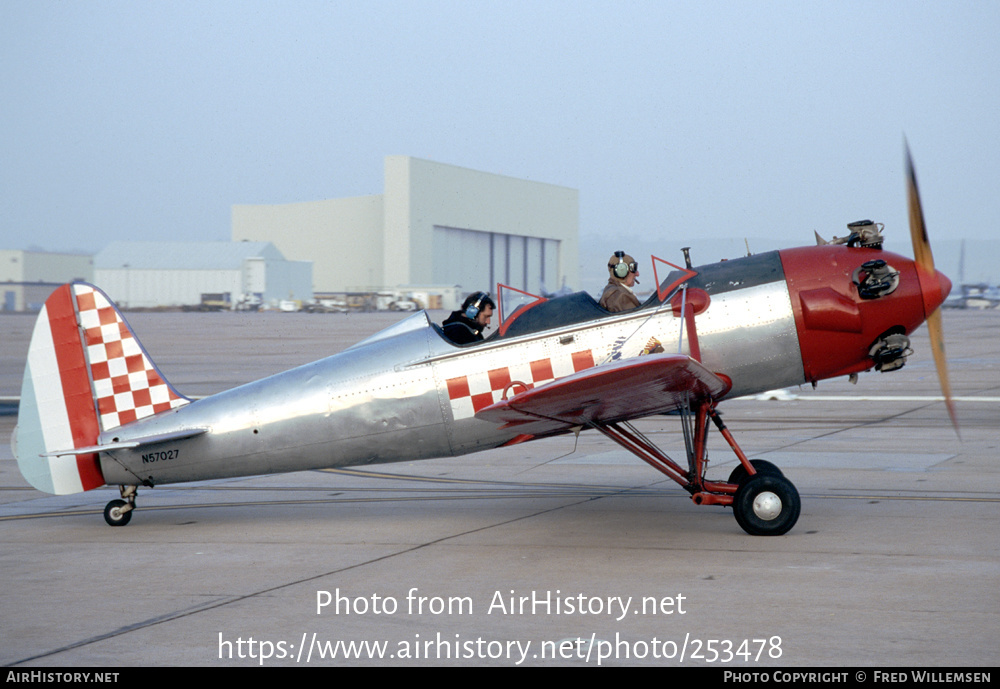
(86, 373)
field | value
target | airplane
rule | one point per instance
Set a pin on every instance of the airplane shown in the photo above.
(96, 411)
(972, 295)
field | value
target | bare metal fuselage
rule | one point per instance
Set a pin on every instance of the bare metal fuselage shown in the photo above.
(407, 393)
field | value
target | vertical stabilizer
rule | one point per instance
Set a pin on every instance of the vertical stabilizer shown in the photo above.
(86, 373)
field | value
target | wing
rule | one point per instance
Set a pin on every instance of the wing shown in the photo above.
(624, 389)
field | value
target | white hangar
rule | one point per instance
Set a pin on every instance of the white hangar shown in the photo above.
(27, 278)
(150, 274)
(434, 224)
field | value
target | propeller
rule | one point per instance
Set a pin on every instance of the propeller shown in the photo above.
(934, 285)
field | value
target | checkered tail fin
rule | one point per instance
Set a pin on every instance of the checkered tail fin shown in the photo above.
(86, 373)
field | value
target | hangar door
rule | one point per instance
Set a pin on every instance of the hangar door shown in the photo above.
(478, 260)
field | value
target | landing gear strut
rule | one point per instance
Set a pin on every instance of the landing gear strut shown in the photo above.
(764, 502)
(119, 512)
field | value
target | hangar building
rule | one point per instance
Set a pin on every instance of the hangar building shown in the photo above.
(29, 277)
(150, 274)
(433, 224)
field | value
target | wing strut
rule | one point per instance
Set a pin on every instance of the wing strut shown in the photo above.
(695, 425)
(626, 435)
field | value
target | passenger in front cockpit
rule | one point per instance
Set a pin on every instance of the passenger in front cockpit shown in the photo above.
(618, 295)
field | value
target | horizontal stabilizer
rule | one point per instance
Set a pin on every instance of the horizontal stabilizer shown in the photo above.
(130, 443)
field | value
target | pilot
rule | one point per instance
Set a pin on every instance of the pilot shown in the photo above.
(618, 295)
(468, 323)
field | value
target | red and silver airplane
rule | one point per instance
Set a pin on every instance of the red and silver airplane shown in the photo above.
(95, 410)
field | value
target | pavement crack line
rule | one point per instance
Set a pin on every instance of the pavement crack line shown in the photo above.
(869, 422)
(196, 610)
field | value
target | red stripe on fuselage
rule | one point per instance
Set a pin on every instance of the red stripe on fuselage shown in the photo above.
(75, 382)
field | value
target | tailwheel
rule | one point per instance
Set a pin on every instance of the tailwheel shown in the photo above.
(766, 505)
(117, 513)
(761, 466)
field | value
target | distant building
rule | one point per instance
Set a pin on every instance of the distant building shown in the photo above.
(151, 274)
(27, 278)
(434, 224)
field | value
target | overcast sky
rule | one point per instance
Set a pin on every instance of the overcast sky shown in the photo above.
(149, 120)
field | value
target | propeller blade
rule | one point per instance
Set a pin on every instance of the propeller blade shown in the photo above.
(925, 263)
(936, 331)
(918, 230)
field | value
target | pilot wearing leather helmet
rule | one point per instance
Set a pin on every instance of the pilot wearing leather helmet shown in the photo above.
(618, 295)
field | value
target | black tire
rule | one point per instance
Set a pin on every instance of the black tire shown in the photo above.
(114, 515)
(761, 466)
(766, 505)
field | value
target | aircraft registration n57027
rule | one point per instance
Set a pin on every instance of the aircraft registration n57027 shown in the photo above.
(95, 410)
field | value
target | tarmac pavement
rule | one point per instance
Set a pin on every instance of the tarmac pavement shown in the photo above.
(557, 552)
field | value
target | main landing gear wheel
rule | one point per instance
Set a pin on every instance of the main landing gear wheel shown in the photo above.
(766, 505)
(116, 514)
(761, 466)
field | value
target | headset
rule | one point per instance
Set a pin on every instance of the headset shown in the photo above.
(622, 269)
(472, 310)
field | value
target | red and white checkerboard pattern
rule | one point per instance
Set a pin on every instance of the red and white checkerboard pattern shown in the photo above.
(475, 391)
(126, 384)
